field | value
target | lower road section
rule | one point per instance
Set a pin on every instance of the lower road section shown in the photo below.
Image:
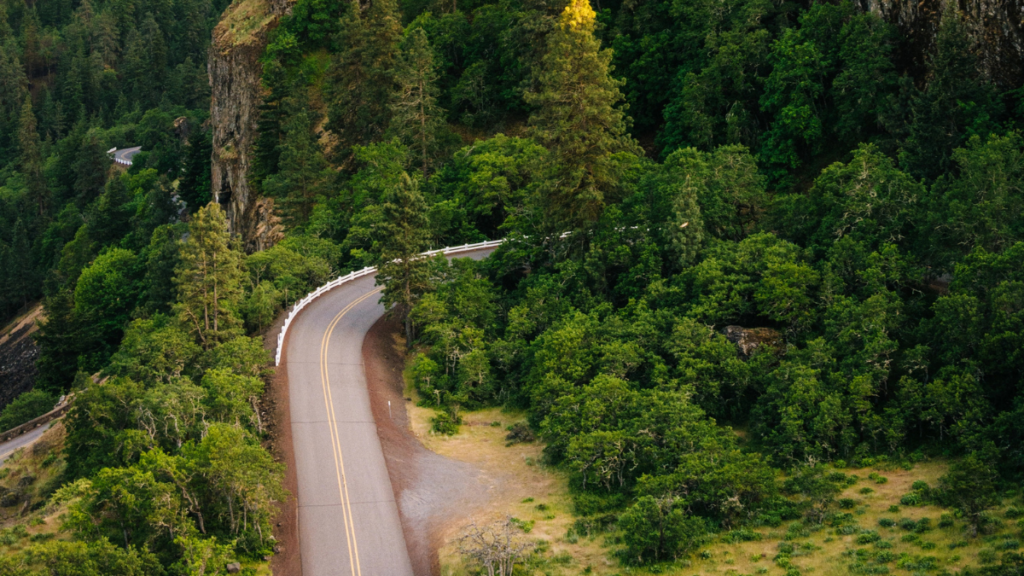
(349, 521)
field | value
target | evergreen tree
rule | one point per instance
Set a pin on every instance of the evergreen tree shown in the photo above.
(400, 236)
(195, 187)
(13, 91)
(31, 162)
(956, 102)
(415, 116)
(209, 279)
(304, 173)
(90, 170)
(362, 75)
(577, 120)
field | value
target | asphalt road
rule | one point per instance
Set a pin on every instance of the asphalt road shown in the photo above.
(26, 439)
(124, 155)
(348, 517)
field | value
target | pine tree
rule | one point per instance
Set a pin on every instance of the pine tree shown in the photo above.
(400, 236)
(209, 279)
(30, 161)
(195, 187)
(304, 173)
(362, 75)
(90, 170)
(956, 102)
(416, 118)
(577, 119)
(13, 90)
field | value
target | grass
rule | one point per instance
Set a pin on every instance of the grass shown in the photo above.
(539, 494)
(242, 20)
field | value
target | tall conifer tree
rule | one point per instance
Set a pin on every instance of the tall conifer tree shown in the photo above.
(401, 235)
(415, 116)
(578, 120)
(362, 74)
(209, 279)
(30, 161)
(304, 173)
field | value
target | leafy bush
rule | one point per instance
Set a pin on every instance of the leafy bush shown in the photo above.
(1013, 513)
(25, 407)
(847, 503)
(919, 486)
(907, 524)
(946, 520)
(519, 432)
(883, 544)
(865, 490)
(444, 423)
(923, 525)
(886, 522)
(911, 499)
(868, 537)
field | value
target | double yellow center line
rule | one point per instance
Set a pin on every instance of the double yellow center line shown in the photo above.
(339, 461)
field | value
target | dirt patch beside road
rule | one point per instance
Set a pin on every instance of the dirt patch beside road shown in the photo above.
(288, 562)
(434, 493)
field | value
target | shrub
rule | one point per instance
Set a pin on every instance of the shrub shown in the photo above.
(518, 433)
(868, 537)
(919, 486)
(444, 423)
(1013, 513)
(911, 499)
(874, 476)
(1009, 544)
(894, 508)
(910, 538)
(923, 525)
(865, 490)
(885, 556)
(907, 524)
(25, 407)
(741, 535)
(946, 520)
(886, 522)
(847, 503)
(837, 477)
(883, 544)
(987, 556)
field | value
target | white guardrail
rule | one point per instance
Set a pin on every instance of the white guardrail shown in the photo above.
(298, 306)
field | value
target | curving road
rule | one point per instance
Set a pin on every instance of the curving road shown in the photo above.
(26, 439)
(348, 517)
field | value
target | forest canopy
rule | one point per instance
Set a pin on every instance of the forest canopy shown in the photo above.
(747, 216)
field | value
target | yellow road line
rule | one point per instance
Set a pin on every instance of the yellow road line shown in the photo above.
(339, 461)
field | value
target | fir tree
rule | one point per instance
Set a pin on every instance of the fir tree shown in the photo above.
(577, 119)
(955, 103)
(13, 90)
(400, 236)
(30, 161)
(90, 170)
(415, 116)
(209, 279)
(362, 75)
(195, 187)
(304, 173)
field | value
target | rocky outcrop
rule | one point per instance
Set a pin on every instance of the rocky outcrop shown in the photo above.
(238, 42)
(748, 340)
(18, 354)
(997, 26)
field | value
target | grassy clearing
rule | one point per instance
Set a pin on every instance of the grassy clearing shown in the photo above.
(539, 495)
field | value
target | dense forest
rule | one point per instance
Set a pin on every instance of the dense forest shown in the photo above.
(672, 178)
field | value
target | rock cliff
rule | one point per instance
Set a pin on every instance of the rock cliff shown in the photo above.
(238, 42)
(997, 26)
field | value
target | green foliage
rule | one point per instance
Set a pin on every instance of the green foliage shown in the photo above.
(25, 407)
